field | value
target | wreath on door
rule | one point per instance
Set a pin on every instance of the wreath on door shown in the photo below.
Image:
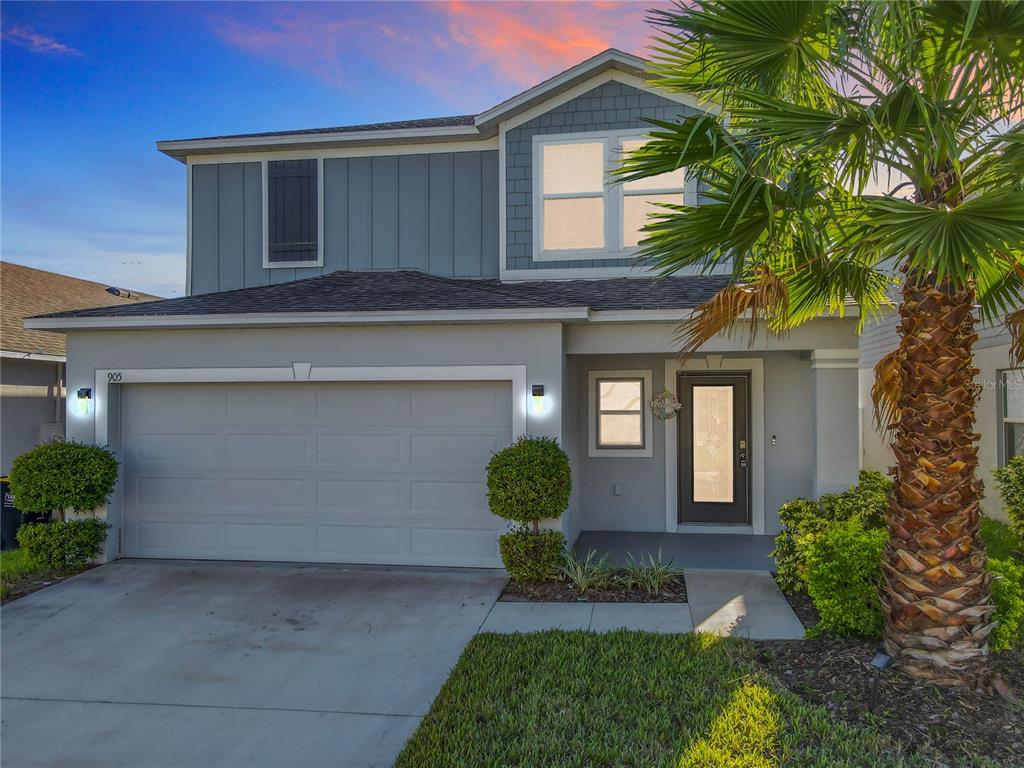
(665, 404)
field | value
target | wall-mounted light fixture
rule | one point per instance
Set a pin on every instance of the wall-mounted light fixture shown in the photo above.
(84, 400)
(537, 392)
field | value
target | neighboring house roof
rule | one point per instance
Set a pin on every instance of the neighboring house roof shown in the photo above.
(452, 128)
(410, 291)
(25, 292)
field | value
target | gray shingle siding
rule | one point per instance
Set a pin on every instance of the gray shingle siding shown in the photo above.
(437, 213)
(609, 107)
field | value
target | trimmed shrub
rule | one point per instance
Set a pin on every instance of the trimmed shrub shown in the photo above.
(1010, 481)
(799, 517)
(61, 545)
(532, 555)
(529, 481)
(1008, 597)
(802, 520)
(844, 574)
(60, 476)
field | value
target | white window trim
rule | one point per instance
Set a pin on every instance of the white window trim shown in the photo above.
(595, 451)
(267, 263)
(1004, 448)
(613, 195)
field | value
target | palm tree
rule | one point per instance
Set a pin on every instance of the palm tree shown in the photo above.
(821, 101)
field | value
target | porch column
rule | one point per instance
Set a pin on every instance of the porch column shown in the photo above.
(836, 420)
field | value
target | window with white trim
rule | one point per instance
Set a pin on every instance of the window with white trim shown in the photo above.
(1012, 414)
(620, 413)
(578, 213)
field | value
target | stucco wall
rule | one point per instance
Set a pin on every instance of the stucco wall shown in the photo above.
(27, 401)
(789, 464)
(537, 346)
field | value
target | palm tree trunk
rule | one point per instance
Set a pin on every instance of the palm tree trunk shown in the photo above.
(936, 597)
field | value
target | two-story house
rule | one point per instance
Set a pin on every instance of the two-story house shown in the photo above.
(373, 310)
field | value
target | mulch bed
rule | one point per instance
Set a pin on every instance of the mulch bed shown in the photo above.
(16, 588)
(948, 726)
(561, 592)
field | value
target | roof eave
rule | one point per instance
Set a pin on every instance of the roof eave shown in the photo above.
(180, 150)
(273, 319)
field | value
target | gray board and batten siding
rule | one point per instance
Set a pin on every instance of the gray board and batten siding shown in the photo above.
(610, 107)
(437, 213)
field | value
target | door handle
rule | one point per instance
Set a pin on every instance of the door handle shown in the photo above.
(743, 460)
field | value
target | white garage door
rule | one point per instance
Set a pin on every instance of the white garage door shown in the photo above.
(388, 472)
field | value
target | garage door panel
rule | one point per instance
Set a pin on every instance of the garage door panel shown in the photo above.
(342, 472)
(453, 449)
(433, 405)
(261, 492)
(270, 404)
(271, 449)
(166, 405)
(359, 449)
(363, 404)
(451, 498)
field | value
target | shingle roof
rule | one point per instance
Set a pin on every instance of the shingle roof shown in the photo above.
(395, 125)
(411, 291)
(25, 292)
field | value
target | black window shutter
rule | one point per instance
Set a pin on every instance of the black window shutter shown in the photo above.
(291, 210)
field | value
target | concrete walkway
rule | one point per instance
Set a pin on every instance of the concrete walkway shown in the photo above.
(734, 603)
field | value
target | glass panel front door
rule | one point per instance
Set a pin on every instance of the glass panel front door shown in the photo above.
(714, 449)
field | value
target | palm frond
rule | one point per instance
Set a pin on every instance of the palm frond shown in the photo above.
(764, 300)
(887, 389)
(1015, 325)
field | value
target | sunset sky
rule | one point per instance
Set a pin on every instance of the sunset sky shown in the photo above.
(89, 87)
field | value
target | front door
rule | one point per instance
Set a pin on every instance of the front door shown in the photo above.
(714, 448)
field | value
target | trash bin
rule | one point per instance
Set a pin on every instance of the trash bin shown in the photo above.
(11, 517)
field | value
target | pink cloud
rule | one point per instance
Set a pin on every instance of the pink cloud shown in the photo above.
(446, 47)
(37, 42)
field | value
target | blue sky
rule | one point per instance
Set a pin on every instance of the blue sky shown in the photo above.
(89, 87)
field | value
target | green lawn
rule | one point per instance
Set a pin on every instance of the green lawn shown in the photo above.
(999, 540)
(627, 699)
(15, 564)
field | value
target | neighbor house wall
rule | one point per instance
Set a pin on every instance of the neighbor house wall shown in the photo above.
(436, 213)
(991, 357)
(28, 401)
(538, 346)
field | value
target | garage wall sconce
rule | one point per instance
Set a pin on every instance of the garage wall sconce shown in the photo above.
(537, 399)
(84, 401)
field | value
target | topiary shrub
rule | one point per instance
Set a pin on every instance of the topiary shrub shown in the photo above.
(61, 476)
(1008, 597)
(802, 520)
(528, 482)
(532, 555)
(61, 545)
(1010, 481)
(844, 574)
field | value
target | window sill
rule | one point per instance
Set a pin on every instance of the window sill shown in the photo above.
(292, 264)
(621, 453)
(584, 255)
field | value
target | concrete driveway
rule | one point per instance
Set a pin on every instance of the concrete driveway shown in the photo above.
(146, 663)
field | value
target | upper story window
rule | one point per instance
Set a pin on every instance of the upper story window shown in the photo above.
(1012, 414)
(578, 214)
(292, 226)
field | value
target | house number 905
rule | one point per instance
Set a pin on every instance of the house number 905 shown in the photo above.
(114, 376)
